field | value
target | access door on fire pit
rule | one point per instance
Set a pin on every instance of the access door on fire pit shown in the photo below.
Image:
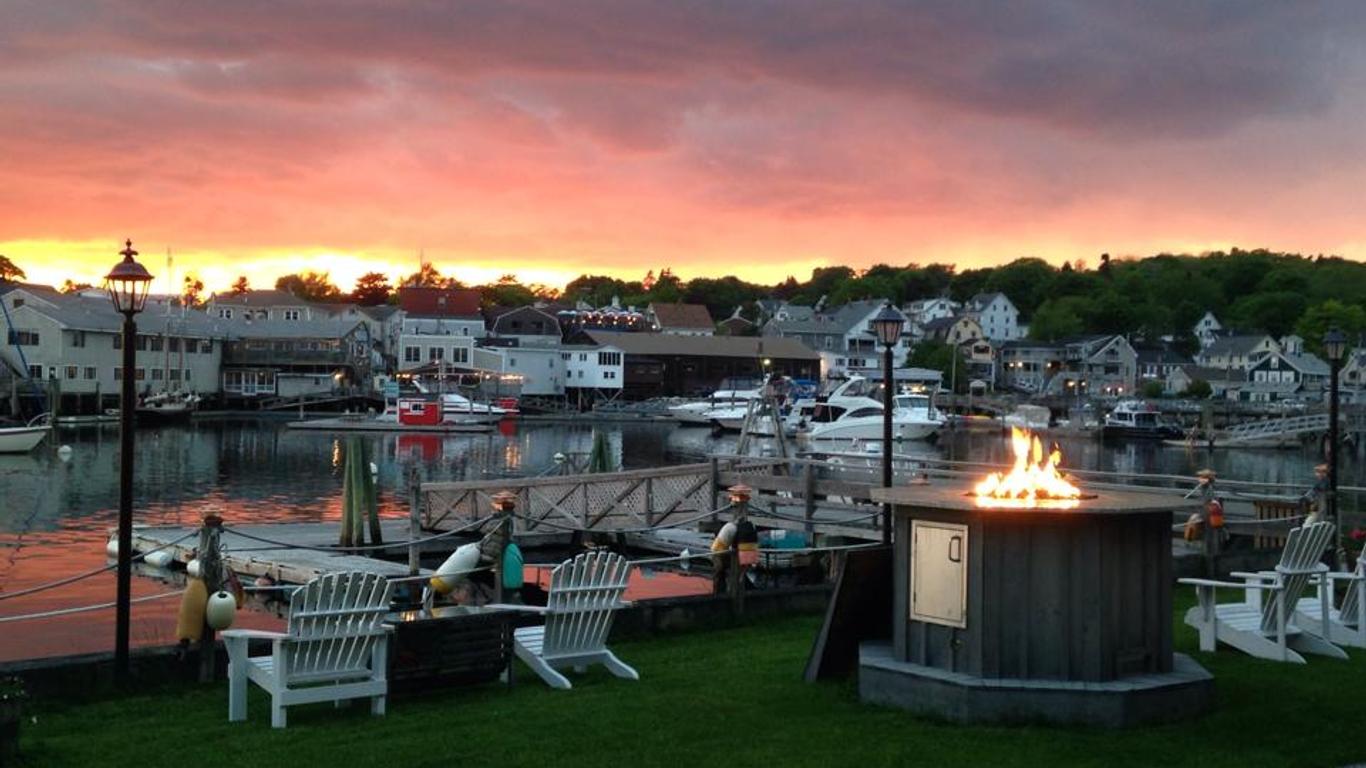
(939, 573)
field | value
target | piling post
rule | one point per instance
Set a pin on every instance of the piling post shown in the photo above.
(414, 521)
(504, 504)
(715, 482)
(739, 506)
(809, 501)
(211, 570)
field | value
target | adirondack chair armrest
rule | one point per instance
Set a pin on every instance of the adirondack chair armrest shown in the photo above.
(1257, 576)
(539, 609)
(252, 634)
(1230, 584)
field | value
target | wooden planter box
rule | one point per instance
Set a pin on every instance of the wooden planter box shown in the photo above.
(456, 646)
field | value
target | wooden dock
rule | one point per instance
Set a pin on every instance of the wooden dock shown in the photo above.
(284, 564)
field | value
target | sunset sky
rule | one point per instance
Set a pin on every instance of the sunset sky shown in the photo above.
(762, 139)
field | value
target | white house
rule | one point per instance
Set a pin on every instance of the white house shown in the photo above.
(844, 338)
(593, 372)
(1236, 351)
(997, 315)
(1207, 329)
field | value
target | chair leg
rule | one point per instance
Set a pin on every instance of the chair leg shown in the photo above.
(538, 665)
(277, 712)
(377, 705)
(237, 680)
(617, 667)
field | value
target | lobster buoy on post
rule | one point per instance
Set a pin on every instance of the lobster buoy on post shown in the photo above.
(512, 566)
(455, 569)
(1215, 508)
(189, 626)
(220, 610)
(192, 568)
(747, 542)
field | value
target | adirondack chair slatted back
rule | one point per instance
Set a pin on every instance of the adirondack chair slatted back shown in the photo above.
(334, 621)
(584, 595)
(1351, 599)
(1303, 548)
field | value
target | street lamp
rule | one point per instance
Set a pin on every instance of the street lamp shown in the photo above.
(1334, 345)
(887, 325)
(128, 283)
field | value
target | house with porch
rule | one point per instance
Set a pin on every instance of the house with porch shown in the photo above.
(997, 316)
(1207, 329)
(1238, 351)
(295, 358)
(439, 325)
(1281, 376)
(843, 338)
(1098, 365)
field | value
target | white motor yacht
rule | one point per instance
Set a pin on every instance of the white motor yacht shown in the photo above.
(698, 411)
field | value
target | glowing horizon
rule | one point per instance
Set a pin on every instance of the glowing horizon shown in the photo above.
(548, 141)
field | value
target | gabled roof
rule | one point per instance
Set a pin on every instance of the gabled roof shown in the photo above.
(1306, 363)
(267, 297)
(498, 317)
(983, 300)
(319, 328)
(1238, 345)
(687, 316)
(753, 347)
(380, 312)
(1221, 375)
(440, 302)
(95, 313)
(1160, 356)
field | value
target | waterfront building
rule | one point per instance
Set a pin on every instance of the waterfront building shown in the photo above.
(1225, 383)
(680, 319)
(71, 344)
(1352, 384)
(296, 357)
(1280, 376)
(660, 365)
(593, 372)
(529, 325)
(438, 325)
(1156, 363)
(1027, 366)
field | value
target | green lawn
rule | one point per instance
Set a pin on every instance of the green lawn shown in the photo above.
(731, 697)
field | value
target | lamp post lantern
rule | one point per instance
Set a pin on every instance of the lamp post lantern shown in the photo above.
(128, 283)
(1335, 346)
(887, 324)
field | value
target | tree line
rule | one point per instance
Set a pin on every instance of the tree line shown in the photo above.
(1152, 297)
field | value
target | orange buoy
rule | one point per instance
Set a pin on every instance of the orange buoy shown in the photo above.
(189, 624)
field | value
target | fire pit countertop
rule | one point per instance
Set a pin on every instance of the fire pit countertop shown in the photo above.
(958, 497)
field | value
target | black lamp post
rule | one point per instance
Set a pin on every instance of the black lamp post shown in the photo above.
(887, 325)
(1335, 346)
(128, 283)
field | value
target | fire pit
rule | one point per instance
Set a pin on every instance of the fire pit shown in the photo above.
(1034, 605)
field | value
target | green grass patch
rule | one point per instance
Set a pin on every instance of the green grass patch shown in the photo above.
(729, 697)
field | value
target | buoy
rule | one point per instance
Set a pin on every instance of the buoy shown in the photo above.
(220, 610)
(111, 547)
(64, 453)
(456, 568)
(189, 625)
(192, 568)
(724, 537)
(160, 558)
(374, 469)
(512, 566)
(685, 560)
(747, 542)
(1216, 513)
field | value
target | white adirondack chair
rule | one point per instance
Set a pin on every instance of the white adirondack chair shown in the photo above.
(334, 649)
(1345, 624)
(585, 592)
(1263, 625)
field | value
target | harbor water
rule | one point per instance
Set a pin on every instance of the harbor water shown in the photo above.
(57, 508)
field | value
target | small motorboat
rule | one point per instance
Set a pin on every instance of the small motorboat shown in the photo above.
(167, 406)
(26, 438)
(1135, 419)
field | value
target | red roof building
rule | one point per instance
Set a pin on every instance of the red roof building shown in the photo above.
(439, 302)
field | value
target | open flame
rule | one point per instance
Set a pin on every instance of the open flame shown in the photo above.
(1033, 481)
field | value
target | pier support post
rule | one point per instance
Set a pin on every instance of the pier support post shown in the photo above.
(211, 570)
(414, 521)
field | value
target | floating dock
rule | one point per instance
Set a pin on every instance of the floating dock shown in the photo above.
(367, 424)
(283, 563)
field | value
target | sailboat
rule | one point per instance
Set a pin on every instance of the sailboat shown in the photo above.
(168, 404)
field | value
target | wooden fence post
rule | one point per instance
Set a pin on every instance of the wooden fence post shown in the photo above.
(211, 571)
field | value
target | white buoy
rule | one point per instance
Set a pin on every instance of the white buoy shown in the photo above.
(111, 547)
(686, 562)
(160, 558)
(374, 469)
(192, 568)
(221, 610)
(456, 568)
(64, 453)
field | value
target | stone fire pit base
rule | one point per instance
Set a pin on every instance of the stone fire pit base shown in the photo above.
(1187, 691)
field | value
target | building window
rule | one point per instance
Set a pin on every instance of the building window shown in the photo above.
(583, 357)
(118, 341)
(187, 374)
(118, 373)
(24, 338)
(436, 353)
(156, 343)
(35, 371)
(173, 344)
(412, 354)
(609, 358)
(90, 373)
(225, 313)
(71, 372)
(78, 338)
(206, 346)
(175, 374)
(156, 374)
(139, 374)
(140, 343)
(291, 314)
